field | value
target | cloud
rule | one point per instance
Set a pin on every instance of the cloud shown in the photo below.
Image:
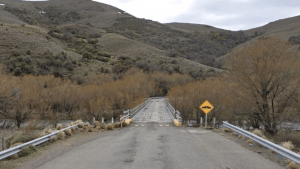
(226, 14)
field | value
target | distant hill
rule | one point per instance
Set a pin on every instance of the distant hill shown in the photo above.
(70, 37)
(193, 27)
(286, 29)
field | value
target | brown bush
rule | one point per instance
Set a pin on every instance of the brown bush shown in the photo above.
(59, 126)
(90, 128)
(109, 126)
(61, 135)
(68, 132)
(117, 125)
(53, 139)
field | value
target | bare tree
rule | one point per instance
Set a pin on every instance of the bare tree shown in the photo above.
(265, 75)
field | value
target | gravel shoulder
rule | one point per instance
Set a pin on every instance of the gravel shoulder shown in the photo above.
(264, 152)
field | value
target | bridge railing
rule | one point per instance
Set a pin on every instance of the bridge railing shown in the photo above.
(170, 108)
(256, 139)
(14, 150)
(131, 113)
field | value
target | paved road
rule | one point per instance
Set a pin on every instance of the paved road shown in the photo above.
(153, 142)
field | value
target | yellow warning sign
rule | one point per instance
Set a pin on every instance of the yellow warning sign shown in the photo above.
(206, 107)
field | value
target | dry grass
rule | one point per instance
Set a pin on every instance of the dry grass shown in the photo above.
(90, 128)
(61, 135)
(117, 125)
(27, 150)
(226, 130)
(98, 127)
(80, 125)
(250, 141)
(124, 124)
(16, 144)
(53, 139)
(59, 126)
(234, 134)
(15, 156)
(240, 136)
(259, 133)
(109, 126)
(221, 134)
(293, 165)
(228, 138)
(68, 132)
(78, 121)
(20, 137)
(97, 123)
(288, 145)
(86, 125)
(45, 132)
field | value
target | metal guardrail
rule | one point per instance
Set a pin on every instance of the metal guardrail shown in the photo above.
(137, 109)
(131, 113)
(276, 148)
(9, 152)
(170, 107)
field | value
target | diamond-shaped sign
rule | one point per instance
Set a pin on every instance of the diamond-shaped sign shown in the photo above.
(206, 107)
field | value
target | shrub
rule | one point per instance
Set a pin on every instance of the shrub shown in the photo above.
(285, 135)
(226, 130)
(87, 55)
(124, 124)
(90, 128)
(59, 126)
(28, 52)
(293, 165)
(109, 126)
(250, 141)
(93, 41)
(105, 54)
(27, 150)
(68, 132)
(117, 125)
(288, 145)
(259, 134)
(45, 132)
(61, 135)
(19, 137)
(15, 53)
(53, 139)
(102, 59)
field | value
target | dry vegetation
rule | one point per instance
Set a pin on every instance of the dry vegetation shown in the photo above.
(50, 98)
(259, 87)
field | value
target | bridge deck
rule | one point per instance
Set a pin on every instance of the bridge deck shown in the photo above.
(156, 111)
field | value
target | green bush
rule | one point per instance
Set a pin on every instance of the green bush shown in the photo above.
(87, 55)
(28, 52)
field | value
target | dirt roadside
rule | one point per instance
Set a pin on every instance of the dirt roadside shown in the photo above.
(265, 152)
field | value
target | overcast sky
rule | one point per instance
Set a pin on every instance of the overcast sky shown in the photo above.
(226, 14)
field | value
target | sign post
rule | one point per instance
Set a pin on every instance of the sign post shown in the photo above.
(206, 107)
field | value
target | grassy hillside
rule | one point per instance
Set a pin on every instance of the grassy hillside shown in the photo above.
(73, 37)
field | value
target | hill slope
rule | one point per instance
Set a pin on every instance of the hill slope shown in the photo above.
(70, 37)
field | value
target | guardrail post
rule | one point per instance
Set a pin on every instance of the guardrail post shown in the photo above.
(201, 122)
(94, 121)
(205, 120)
(102, 120)
(112, 120)
(214, 122)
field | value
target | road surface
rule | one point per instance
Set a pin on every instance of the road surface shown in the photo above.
(153, 142)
